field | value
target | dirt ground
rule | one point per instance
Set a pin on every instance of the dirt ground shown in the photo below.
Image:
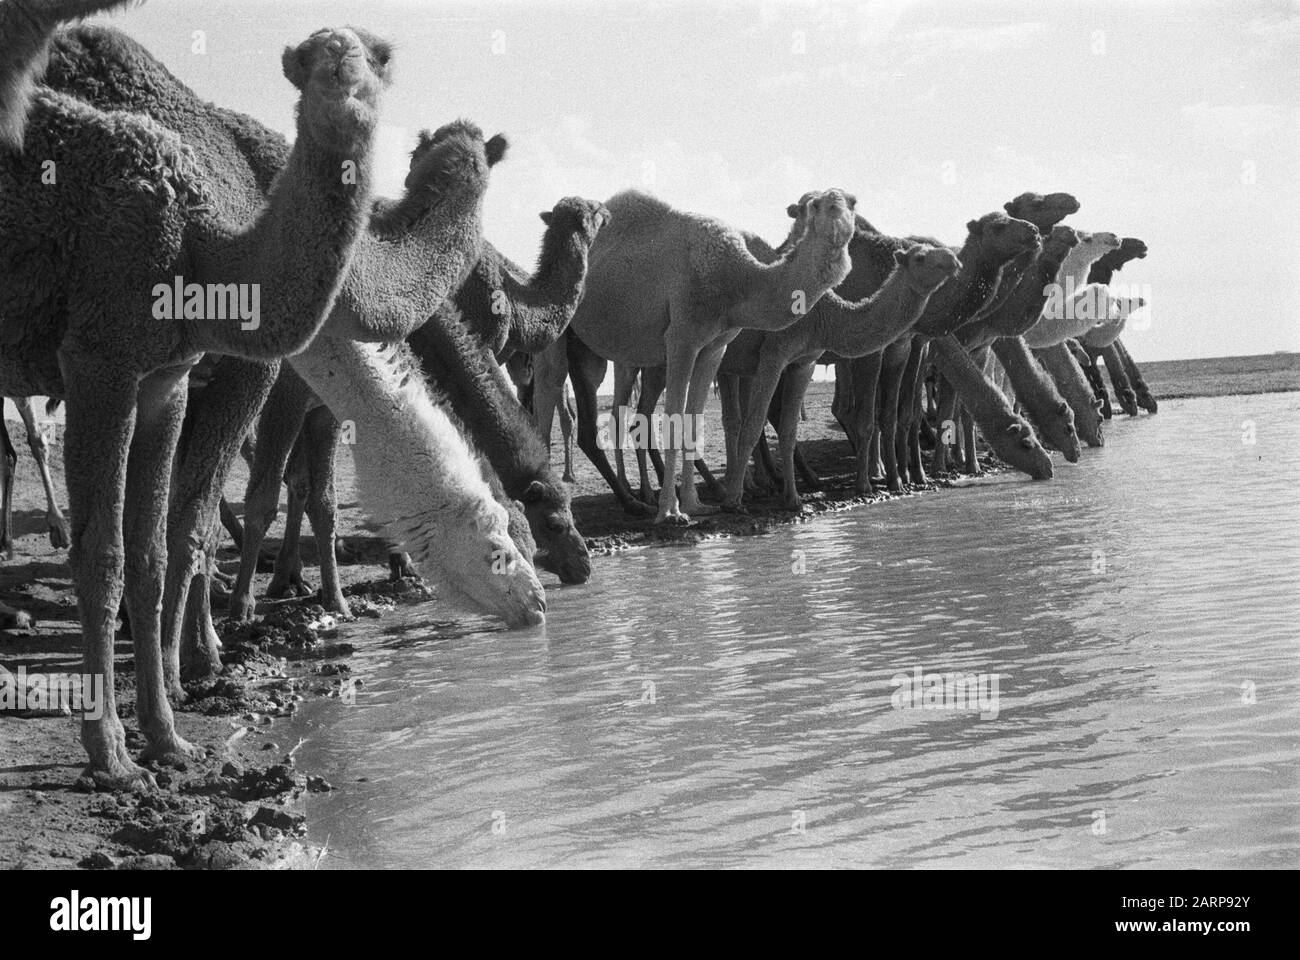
(237, 808)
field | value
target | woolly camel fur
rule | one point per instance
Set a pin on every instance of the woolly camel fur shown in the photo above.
(416, 251)
(130, 211)
(668, 288)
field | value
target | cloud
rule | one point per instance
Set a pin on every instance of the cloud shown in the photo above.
(1241, 126)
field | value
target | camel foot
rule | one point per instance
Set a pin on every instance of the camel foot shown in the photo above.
(60, 539)
(337, 604)
(241, 609)
(291, 586)
(6, 551)
(568, 477)
(120, 774)
(400, 568)
(895, 485)
(638, 508)
(171, 750)
(674, 518)
(734, 506)
(792, 503)
(698, 509)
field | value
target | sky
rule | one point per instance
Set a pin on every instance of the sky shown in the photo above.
(1173, 122)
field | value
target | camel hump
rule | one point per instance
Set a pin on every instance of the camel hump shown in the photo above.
(26, 29)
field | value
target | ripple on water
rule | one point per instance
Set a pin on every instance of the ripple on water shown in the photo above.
(709, 706)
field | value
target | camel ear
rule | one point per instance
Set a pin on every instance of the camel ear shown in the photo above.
(1062, 408)
(496, 149)
(546, 216)
(535, 492)
(1098, 403)
(1008, 206)
(853, 201)
(1013, 429)
(974, 228)
(900, 257)
(793, 211)
(293, 62)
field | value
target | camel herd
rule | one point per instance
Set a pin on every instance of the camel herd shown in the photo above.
(391, 325)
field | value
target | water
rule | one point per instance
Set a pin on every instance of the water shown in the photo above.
(1131, 607)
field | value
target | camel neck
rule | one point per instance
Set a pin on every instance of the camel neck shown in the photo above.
(870, 324)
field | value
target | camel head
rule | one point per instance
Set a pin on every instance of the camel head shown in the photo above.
(1059, 242)
(1130, 248)
(561, 549)
(1096, 245)
(1017, 445)
(1059, 433)
(826, 214)
(1001, 237)
(577, 216)
(341, 74)
(455, 152)
(1043, 211)
(926, 267)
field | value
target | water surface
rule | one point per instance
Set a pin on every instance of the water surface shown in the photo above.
(713, 706)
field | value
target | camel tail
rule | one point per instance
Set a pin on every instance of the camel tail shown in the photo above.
(26, 27)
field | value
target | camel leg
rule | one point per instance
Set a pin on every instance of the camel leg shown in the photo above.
(1093, 373)
(160, 412)
(1125, 395)
(972, 460)
(230, 520)
(796, 379)
(909, 408)
(681, 357)
(550, 370)
(322, 507)
(893, 365)
(702, 377)
(10, 469)
(946, 418)
(278, 431)
(567, 414)
(58, 527)
(757, 400)
(586, 370)
(220, 422)
(625, 378)
(729, 395)
(100, 398)
(287, 580)
(653, 380)
(767, 475)
(1145, 398)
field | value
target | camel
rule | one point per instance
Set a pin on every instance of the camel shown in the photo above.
(835, 325)
(1094, 306)
(417, 250)
(476, 393)
(511, 311)
(893, 382)
(1129, 385)
(36, 441)
(668, 288)
(85, 318)
(517, 314)
(1034, 389)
